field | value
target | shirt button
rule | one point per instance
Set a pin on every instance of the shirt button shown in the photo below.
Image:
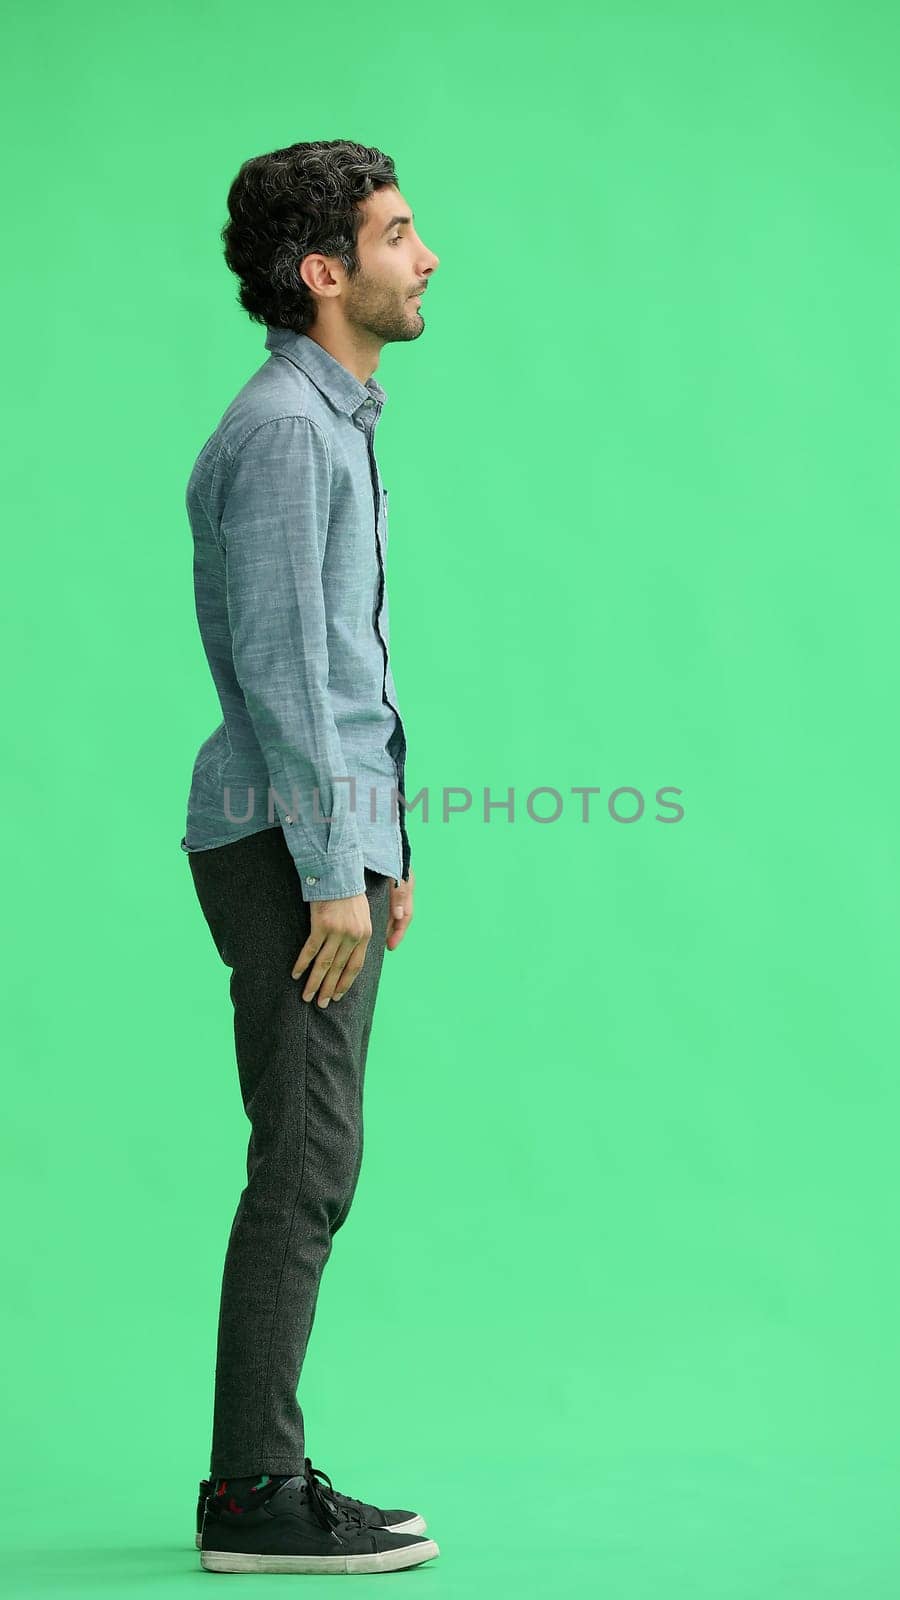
(288, 819)
(312, 880)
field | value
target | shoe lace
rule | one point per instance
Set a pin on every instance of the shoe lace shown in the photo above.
(330, 1512)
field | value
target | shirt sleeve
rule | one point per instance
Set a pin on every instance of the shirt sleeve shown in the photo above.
(273, 528)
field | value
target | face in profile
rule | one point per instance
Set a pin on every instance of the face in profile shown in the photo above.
(385, 298)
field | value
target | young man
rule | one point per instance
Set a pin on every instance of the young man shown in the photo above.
(295, 833)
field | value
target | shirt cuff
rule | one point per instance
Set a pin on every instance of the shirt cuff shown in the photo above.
(332, 877)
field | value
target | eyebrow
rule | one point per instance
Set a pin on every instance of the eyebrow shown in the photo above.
(393, 223)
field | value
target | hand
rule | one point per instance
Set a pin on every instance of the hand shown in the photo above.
(401, 912)
(339, 938)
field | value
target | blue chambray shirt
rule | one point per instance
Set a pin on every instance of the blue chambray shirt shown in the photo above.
(288, 515)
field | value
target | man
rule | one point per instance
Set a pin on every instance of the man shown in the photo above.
(295, 833)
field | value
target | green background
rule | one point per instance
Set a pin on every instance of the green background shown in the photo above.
(616, 1304)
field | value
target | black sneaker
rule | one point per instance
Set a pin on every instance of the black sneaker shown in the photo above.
(300, 1527)
(396, 1521)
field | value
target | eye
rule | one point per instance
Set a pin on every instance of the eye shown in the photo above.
(396, 239)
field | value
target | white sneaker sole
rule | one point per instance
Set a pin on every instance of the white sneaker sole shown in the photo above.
(373, 1561)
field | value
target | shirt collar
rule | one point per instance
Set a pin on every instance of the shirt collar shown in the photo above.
(335, 381)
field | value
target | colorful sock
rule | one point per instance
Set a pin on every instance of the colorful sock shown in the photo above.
(241, 1494)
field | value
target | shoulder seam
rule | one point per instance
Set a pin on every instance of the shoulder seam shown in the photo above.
(282, 416)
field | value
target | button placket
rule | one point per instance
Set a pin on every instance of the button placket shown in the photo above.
(400, 759)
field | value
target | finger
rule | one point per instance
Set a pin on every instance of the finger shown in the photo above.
(401, 911)
(337, 970)
(395, 932)
(352, 969)
(321, 965)
(313, 943)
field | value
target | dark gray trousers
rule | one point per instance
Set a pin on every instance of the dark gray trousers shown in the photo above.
(301, 1069)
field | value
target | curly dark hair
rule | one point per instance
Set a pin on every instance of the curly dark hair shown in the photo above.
(288, 203)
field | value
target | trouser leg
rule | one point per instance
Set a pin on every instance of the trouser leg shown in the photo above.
(301, 1071)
